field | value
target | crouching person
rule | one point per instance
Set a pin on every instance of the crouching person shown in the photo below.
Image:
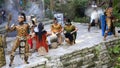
(70, 32)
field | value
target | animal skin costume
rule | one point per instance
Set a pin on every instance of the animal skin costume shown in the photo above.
(109, 21)
(21, 42)
(108, 14)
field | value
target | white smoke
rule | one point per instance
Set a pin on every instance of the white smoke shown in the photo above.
(94, 13)
(90, 11)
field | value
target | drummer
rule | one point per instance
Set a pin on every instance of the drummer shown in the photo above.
(57, 29)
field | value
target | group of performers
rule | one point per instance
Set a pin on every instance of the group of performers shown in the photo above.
(26, 33)
(102, 18)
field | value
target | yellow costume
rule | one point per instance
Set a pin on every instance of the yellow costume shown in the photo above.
(109, 22)
(57, 29)
(21, 41)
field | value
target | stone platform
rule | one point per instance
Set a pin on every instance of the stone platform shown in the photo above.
(80, 55)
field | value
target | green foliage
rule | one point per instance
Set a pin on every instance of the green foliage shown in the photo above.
(117, 64)
(118, 59)
(97, 49)
(47, 3)
(81, 20)
(116, 49)
(115, 52)
(49, 14)
(1, 2)
(73, 9)
(116, 4)
(79, 7)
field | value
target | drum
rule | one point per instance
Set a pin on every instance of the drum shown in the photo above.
(42, 51)
(54, 45)
(53, 38)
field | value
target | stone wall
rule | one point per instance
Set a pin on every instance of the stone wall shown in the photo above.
(93, 57)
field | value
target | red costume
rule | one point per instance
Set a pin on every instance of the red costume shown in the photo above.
(42, 43)
(30, 43)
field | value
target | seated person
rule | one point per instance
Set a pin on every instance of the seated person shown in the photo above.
(56, 29)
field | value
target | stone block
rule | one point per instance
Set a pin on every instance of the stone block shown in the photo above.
(98, 64)
(88, 59)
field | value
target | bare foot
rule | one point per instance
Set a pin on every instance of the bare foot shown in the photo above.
(104, 39)
(115, 36)
(26, 62)
(88, 30)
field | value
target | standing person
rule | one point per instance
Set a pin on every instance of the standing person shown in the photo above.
(70, 32)
(31, 34)
(41, 37)
(94, 17)
(21, 38)
(3, 15)
(109, 22)
(57, 29)
(94, 11)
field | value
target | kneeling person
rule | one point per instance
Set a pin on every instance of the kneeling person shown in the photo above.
(70, 32)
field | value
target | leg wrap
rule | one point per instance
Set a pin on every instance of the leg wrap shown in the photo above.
(26, 59)
(11, 59)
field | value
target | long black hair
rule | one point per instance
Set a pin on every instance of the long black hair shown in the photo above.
(40, 31)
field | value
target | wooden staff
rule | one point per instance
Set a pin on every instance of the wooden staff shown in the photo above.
(8, 23)
(9, 19)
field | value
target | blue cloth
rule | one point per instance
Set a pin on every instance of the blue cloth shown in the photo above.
(103, 25)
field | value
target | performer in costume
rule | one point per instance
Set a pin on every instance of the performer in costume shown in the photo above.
(21, 38)
(56, 28)
(70, 32)
(31, 34)
(41, 37)
(109, 22)
(94, 13)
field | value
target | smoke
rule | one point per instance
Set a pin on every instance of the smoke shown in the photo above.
(90, 11)
(36, 9)
(32, 8)
(11, 7)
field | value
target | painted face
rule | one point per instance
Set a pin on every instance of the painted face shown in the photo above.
(68, 24)
(55, 21)
(110, 9)
(20, 19)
